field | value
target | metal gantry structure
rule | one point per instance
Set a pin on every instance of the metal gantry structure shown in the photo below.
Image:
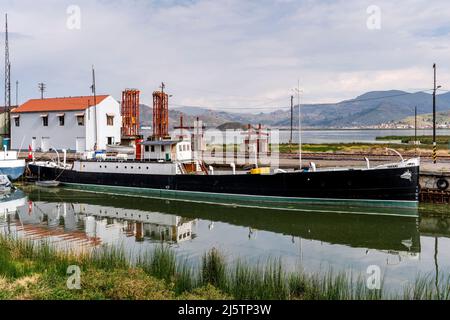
(160, 114)
(130, 112)
(7, 80)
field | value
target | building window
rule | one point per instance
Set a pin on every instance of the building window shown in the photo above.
(109, 120)
(80, 120)
(163, 149)
(147, 149)
(110, 140)
(45, 121)
(61, 120)
(17, 121)
(153, 149)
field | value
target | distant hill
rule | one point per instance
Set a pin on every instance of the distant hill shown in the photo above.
(426, 120)
(371, 108)
(232, 126)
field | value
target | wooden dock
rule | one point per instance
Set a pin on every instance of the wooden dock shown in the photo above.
(435, 182)
(435, 196)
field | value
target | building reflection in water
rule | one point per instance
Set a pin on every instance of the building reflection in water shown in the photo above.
(81, 225)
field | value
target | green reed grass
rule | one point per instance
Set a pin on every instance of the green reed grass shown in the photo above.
(213, 269)
(108, 269)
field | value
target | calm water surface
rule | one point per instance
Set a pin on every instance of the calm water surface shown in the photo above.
(316, 136)
(402, 247)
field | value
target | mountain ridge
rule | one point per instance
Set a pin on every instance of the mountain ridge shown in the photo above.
(368, 109)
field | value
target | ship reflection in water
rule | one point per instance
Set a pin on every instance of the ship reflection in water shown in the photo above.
(79, 220)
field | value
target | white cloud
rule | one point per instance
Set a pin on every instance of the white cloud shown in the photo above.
(231, 52)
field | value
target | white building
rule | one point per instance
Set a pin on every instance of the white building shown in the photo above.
(72, 123)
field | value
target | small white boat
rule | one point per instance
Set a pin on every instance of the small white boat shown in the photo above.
(48, 183)
(11, 165)
(5, 184)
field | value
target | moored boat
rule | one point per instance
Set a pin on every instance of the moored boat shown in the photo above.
(175, 175)
(47, 183)
(10, 165)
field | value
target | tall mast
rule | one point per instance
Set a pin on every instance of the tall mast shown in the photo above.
(94, 92)
(7, 79)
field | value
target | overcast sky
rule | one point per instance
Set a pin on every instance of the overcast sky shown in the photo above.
(228, 54)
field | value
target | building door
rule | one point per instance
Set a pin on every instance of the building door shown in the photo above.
(80, 145)
(45, 144)
(33, 144)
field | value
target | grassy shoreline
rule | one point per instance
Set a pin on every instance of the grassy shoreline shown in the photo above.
(354, 147)
(39, 271)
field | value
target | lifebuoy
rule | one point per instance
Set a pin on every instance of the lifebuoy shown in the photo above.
(442, 184)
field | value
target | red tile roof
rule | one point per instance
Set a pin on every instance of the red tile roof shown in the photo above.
(58, 104)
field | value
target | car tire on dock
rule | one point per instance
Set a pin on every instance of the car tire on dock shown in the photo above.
(442, 184)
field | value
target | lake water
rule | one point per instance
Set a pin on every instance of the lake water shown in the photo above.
(401, 247)
(315, 136)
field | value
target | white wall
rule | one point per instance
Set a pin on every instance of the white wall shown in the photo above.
(31, 126)
(64, 137)
(107, 106)
(180, 151)
(125, 167)
(157, 154)
(184, 151)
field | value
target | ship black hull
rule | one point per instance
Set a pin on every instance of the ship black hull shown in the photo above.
(377, 187)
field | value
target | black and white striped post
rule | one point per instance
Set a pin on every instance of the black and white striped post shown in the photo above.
(434, 116)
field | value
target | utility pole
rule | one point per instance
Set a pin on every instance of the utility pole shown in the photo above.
(415, 128)
(292, 115)
(434, 115)
(297, 90)
(42, 88)
(17, 93)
